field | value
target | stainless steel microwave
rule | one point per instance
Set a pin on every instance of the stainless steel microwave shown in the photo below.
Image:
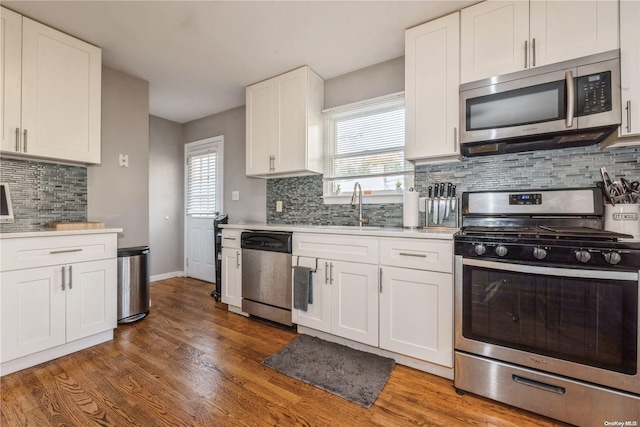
(568, 104)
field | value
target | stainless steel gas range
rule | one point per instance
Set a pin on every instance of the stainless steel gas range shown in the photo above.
(546, 306)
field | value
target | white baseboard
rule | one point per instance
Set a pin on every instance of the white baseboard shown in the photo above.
(166, 276)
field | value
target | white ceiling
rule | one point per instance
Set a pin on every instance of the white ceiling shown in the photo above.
(198, 56)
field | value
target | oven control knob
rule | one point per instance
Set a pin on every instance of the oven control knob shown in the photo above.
(539, 253)
(480, 249)
(612, 257)
(583, 256)
(501, 250)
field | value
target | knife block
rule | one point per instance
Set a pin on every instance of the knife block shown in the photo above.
(451, 221)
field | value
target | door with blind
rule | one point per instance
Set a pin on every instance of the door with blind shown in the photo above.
(203, 200)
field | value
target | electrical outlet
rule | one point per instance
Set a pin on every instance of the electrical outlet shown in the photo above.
(279, 206)
(123, 160)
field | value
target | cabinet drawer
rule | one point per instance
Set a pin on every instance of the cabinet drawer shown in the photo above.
(421, 254)
(341, 248)
(231, 238)
(33, 252)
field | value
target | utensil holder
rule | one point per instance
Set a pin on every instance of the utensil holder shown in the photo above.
(623, 218)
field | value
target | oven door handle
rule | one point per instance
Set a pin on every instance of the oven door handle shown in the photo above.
(553, 271)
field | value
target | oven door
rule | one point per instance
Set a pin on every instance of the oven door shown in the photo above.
(577, 323)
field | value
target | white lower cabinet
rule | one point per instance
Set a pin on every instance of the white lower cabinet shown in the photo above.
(345, 300)
(231, 287)
(58, 295)
(39, 312)
(354, 301)
(399, 298)
(416, 314)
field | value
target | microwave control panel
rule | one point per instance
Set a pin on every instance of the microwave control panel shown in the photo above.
(594, 93)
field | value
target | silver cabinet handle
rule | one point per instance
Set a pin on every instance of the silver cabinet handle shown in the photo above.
(326, 275)
(24, 142)
(64, 277)
(272, 163)
(533, 52)
(331, 273)
(455, 139)
(237, 259)
(229, 238)
(413, 255)
(70, 278)
(380, 279)
(526, 53)
(18, 140)
(65, 251)
(628, 108)
(568, 77)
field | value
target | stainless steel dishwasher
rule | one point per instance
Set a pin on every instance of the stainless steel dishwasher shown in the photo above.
(266, 275)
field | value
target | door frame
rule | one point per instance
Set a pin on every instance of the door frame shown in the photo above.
(189, 148)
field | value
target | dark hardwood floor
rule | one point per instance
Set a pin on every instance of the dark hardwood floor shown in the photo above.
(191, 362)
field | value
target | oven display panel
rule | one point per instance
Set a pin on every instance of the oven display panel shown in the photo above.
(525, 199)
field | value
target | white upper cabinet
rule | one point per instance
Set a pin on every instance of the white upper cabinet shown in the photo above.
(59, 103)
(432, 77)
(11, 79)
(500, 37)
(630, 67)
(284, 125)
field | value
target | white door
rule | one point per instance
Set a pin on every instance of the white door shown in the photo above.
(231, 288)
(416, 314)
(33, 311)
(91, 298)
(290, 143)
(492, 39)
(203, 200)
(260, 128)
(563, 30)
(10, 80)
(354, 294)
(318, 313)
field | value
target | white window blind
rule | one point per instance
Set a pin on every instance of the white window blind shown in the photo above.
(202, 194)
(365, 142)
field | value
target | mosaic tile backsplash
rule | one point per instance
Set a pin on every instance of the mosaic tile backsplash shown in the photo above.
(572, 167)
(43, 192)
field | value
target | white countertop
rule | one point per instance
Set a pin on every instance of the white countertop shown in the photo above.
(47, 232)
(430, 233)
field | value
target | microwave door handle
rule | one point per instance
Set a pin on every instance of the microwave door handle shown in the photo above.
(571, 96)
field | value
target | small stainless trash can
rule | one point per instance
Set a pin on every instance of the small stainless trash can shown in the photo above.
(133, 283)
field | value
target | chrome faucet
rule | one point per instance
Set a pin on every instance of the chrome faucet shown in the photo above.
(357, 190)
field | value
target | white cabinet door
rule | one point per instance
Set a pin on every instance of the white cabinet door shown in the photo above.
(563, 30)
(416, 314)
(92, 298)
(33, 311)
(630, 67)
(354, 301)
(260, 128)
(318, 314)
(61, 95)
(10, 80)
(291, 124)
(231, 286)
(432, 78)
(494, 39)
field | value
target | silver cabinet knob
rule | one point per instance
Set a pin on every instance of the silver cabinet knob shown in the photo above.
(501, 250)
(539, 253)
(583, 256)
(612, 257)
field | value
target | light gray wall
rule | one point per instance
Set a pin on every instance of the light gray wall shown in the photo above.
(253, 191)
(377, 80)
(166, 201)
(115, 195)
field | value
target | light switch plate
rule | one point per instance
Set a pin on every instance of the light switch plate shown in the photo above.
(279, 206)
(235, 195)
